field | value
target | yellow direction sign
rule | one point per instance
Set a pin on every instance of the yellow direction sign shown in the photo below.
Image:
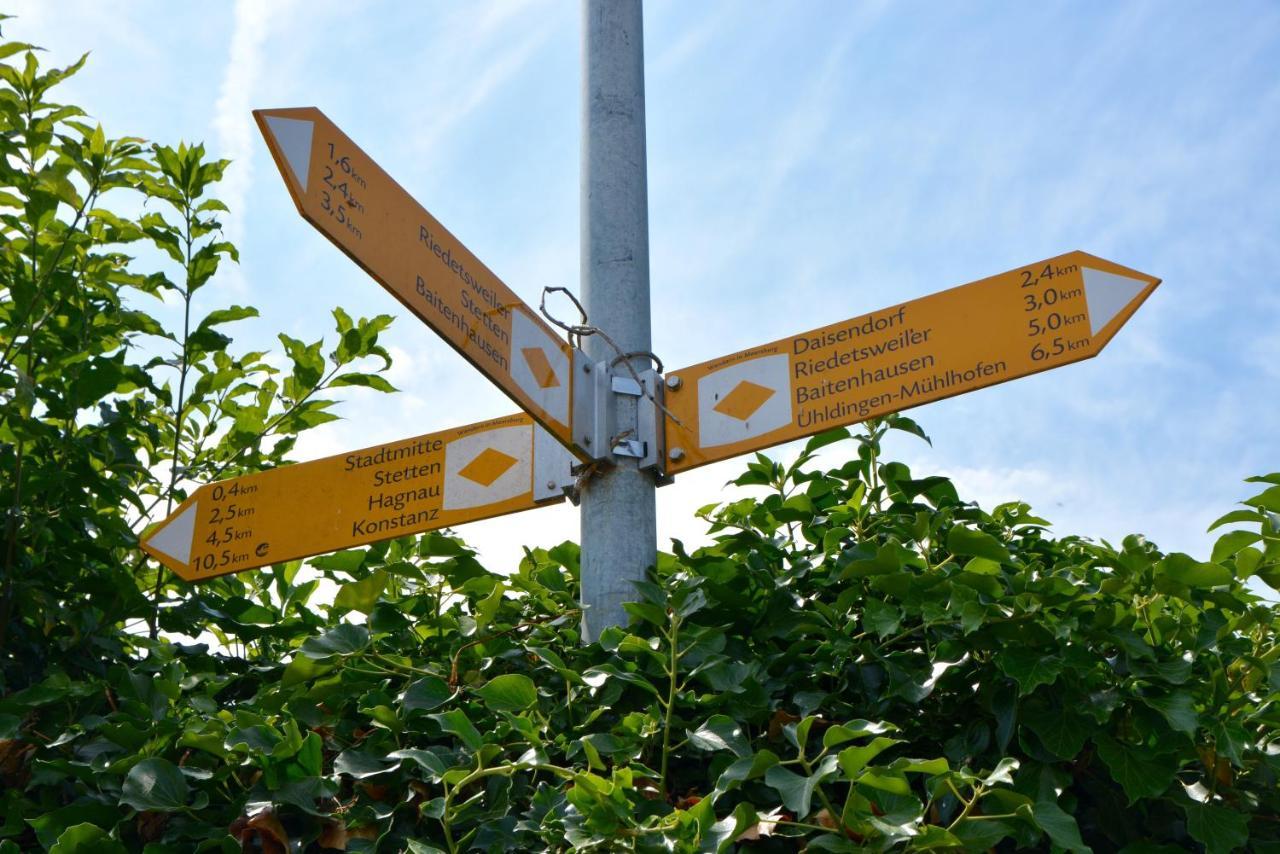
(352, 201)
(419, 484)
(1027, 320)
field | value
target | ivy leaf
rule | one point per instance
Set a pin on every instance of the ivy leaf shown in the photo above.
(596, 676)
(721, 732)
(720, 837)
(427, 693)
(1179, 709)
(456, 722)
(796, 791)
(424, 759)
(880, 617)
(1030, 667)
(1060, 826)
(510, 692)
(747, 768)
(86, 839)
(1141, 772)
(360, 764)
(934, 838)
(1175, 671)
(155, 784)
(1060, 729)
(1219, 829)
(853, 759)
(361, 595)
(343, 639)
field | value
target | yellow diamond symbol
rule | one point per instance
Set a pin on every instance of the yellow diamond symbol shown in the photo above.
(543, 374)
(744, 400)
(488, 466)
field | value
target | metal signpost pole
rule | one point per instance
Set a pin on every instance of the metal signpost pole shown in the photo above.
(619, 530)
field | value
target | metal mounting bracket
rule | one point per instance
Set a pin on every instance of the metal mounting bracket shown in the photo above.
(651, 425)
(553, 475)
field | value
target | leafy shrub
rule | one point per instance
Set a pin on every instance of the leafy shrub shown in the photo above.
(861, 660)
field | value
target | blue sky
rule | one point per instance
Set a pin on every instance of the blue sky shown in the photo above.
(808, 162)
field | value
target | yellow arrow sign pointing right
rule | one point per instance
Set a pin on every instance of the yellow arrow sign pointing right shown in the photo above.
(1021, 322)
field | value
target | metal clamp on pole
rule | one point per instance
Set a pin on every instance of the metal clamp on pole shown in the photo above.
(586, 399)
(553, 475)
(651, 425)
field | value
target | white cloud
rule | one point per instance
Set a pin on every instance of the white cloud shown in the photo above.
(233, 119)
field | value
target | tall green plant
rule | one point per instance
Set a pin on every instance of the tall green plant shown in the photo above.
(106, 415)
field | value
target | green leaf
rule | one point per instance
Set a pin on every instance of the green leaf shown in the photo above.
(372, 381)
(310, 756)
(1231, 542)
(303, 669)
(1266, 500)
(1059, 727)
(1060, 826)
(796, 791)
(155, 784)
(982, 566)
(719, 838)
(596, 676)
(343, 639)
(853, 759)
(880, 617)
(424, 759)
(1141, 772)
(1030, 667)
(361, 764)
(427, 693)
(86, 839)
(829, 437)
(747, 768)
(457, 723)
(1236, 516)
(228, 315)
(965, 542)
(361, 595)
(934, 838)
(721, 732)
(1218, 829)
(1179, 709)
(1186, 570)
(1174, 671)
(510, 692)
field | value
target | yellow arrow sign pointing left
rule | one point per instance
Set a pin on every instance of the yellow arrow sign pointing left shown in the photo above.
(419, 484)
(350, 200)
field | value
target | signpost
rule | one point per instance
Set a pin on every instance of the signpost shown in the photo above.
(353, 202)
(1027, 320)
(604, 408)
(420, 484)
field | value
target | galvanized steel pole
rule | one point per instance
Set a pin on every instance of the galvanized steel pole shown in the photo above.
(619, 529)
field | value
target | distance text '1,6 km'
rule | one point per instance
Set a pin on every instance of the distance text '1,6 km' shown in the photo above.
(343, 193)
(1027, 320)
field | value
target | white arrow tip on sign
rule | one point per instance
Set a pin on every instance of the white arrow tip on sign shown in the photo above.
(1107, 294)
(174, 539)
(294, 138)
